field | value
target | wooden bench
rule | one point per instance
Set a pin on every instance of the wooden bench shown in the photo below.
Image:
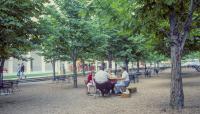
(60, 77)
(7, 86)
(63, 78)
(15, 84)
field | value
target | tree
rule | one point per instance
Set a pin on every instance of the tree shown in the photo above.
(50, 42)
(176, 19)
(17, 28)
(72, 32)
(115, 18)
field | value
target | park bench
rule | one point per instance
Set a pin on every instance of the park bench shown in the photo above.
(8, 86)
(63, 78)
(15, 85)
(60, 77)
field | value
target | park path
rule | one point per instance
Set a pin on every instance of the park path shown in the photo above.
(61, 98)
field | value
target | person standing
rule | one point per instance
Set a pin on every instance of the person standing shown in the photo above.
(22, 71)
(156, 71)
(18, 71)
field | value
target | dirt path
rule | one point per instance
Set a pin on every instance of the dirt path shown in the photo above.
(61, 98)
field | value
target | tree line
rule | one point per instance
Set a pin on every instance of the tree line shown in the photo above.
(120, 30)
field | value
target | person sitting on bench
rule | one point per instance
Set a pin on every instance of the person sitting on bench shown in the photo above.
(102, 82)
(89, 82)
(122, 82)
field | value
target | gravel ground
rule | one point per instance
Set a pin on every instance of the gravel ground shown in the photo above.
(152, 97)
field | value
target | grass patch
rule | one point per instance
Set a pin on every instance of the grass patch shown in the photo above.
(37, 75)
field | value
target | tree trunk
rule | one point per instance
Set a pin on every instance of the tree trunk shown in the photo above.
(54, 69)
(158, 64)
(75, 73)
(132, 65)
(110, 60)
(83, 67)
(115, 68)
(176, 92)
(89, 65)
(74, 58)
(31, 64)
(138, 66)
(150, 65)
(145, 67)
(126, 64)
(110, 63)
(154, 67)
(64, 70)
(103, 65)
(2, 61)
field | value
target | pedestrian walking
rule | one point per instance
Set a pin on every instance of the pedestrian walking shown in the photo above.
(18, 71)
(22, 71)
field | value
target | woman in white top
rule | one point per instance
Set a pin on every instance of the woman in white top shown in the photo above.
(123, 81)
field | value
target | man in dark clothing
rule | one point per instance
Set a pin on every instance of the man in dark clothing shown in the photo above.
(22, 70)
(156, 71)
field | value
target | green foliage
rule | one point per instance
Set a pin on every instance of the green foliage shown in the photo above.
(114, 19)
(68, 32)
(154, 16)
(18, 26)
(192, 55)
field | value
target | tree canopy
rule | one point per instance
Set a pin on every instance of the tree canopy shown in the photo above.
(18, 26)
